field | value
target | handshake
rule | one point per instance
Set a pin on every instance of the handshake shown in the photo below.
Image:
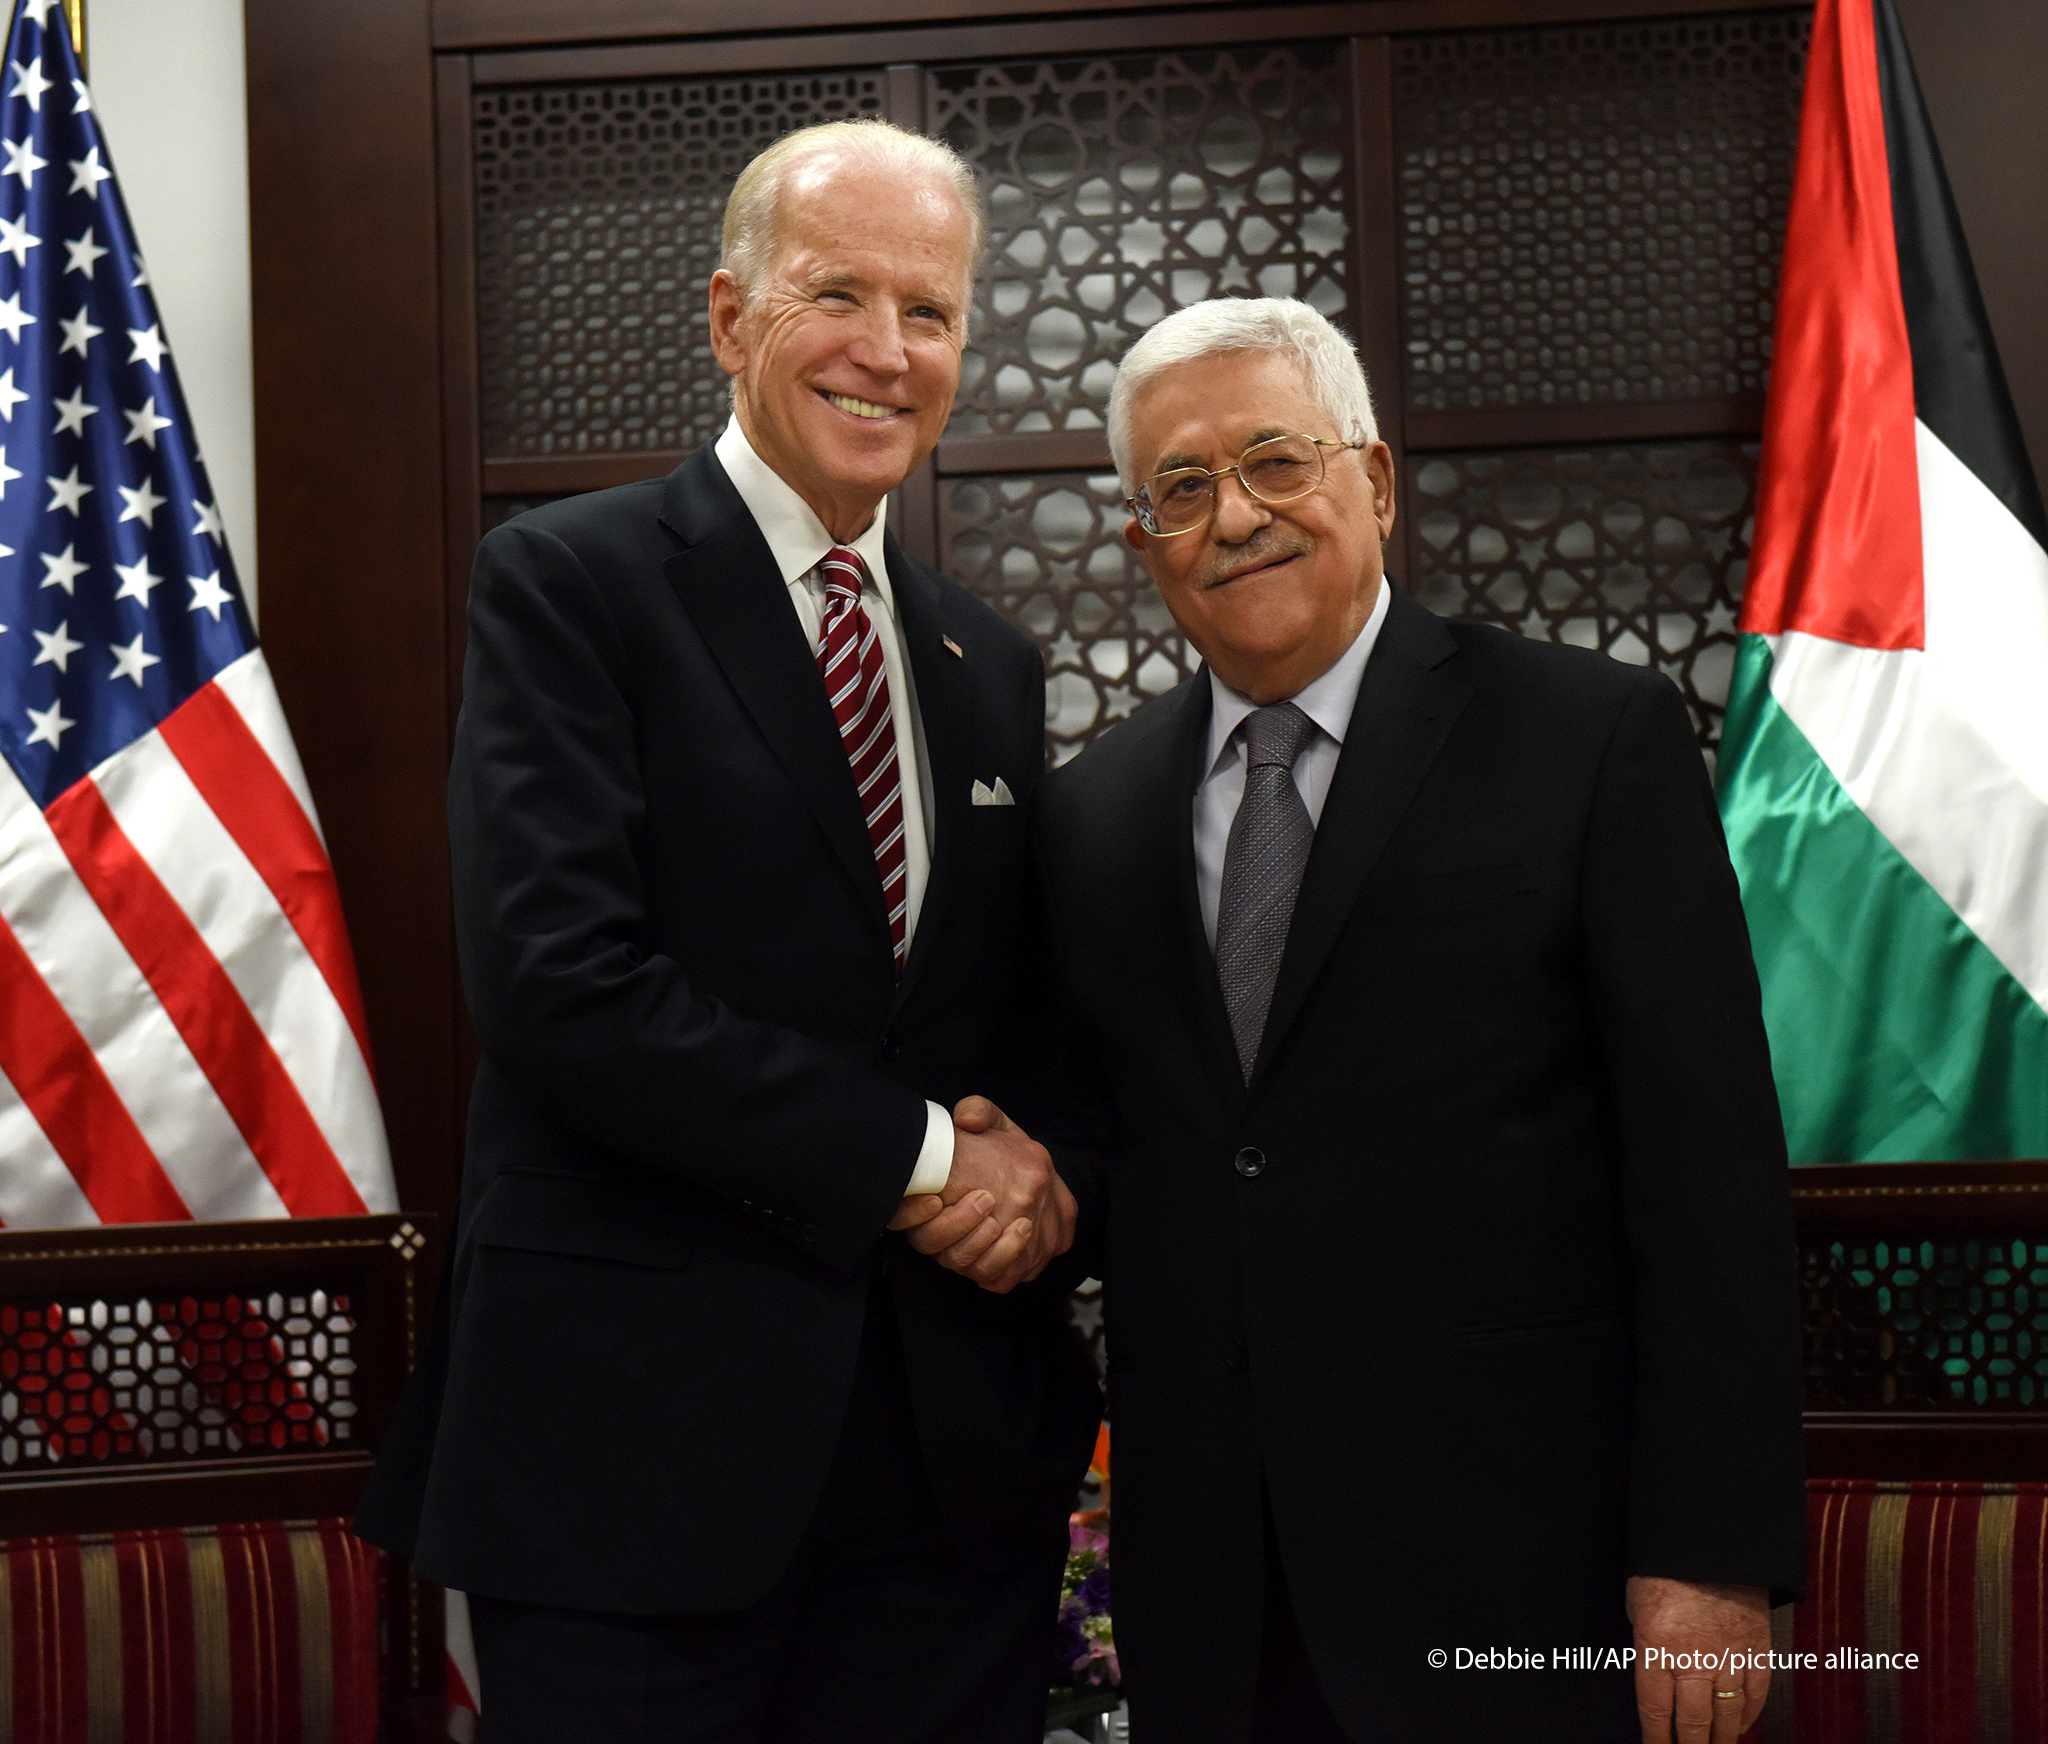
(1005, 1214)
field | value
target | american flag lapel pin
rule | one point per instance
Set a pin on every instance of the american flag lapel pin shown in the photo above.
(953, 648)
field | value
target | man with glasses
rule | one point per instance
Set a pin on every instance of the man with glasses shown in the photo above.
(1448, 1239)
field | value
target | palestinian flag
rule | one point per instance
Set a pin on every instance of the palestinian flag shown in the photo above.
(1884, 769)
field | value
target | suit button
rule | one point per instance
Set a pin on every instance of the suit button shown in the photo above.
(1251, 1161)
(1236, 1358)
(892, 1049)
(809, 1232)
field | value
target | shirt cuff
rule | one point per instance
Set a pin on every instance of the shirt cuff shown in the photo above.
(935, 1161)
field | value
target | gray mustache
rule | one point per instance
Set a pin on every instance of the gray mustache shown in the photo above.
(1263, 548)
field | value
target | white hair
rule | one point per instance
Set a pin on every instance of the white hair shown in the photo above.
(1329, 365)
(747, 244)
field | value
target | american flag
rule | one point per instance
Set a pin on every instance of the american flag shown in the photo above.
(181, 1034)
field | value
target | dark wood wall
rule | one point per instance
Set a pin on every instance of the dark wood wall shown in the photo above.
(367, 457)
(344, 230)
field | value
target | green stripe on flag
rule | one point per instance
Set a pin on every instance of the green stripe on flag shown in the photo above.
(1895, 1035)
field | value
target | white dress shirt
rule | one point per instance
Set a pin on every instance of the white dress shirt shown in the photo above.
(798, 542)
(1327, 701)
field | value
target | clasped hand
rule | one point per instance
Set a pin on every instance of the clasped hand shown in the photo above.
(1005, 1214)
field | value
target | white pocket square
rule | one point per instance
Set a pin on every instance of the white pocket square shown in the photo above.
(999, 794)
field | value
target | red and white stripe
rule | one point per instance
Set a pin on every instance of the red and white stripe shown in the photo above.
(181, 1033)
(465, 1689)
(857, 685)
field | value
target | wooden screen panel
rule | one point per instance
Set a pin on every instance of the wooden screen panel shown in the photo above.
(1120, 188)
(598, 208)
(1924, 1314)
(1047, 551)
(1591, 214)
(1637, 549)
(153, 1373)
(1919, 1320)
(124, 1377)
(1617, 183)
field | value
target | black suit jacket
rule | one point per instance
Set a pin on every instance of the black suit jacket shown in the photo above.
(1488, 1276)
(702, 1086)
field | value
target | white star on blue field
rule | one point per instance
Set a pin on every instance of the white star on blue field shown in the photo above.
(117, 597)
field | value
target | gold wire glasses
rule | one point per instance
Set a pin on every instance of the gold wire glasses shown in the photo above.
(1275, 471)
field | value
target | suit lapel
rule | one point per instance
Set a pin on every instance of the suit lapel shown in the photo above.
(728, 582)
(1405, 710)
(944, 684)
(1164, 828)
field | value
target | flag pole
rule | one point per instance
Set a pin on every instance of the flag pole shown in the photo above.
(74, 16)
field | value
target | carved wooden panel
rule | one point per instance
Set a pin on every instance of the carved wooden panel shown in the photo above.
(165, 1346)
(1592, 213)
(1917, 1322)
(1047, 551)
(1121, 188)
(1587, 215)
(1638, 550)
(93, 1381)
(598, 209)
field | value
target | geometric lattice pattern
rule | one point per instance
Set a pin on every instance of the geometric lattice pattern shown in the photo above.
(1952, 1323)
(1592, 213)
(1121, 188)
(1638, 550)
(142, 1380)
(598, 208)
(1047, 551)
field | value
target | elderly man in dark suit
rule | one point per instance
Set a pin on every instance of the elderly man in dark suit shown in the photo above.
(738, 811)
(1448, 1250)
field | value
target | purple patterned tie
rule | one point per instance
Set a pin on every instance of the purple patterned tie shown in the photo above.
(857, 686)
(1269, 842)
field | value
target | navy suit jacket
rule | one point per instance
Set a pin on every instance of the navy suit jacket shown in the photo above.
(702, 1086)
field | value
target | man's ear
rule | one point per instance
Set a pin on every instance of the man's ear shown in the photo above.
(1134, 536)
(727, 308)
(1379, 467)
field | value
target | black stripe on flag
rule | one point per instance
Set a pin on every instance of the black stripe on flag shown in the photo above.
(1959, 388)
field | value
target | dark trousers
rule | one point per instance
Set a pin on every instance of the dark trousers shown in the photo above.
(878, 1633)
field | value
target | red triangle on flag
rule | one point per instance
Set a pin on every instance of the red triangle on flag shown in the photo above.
(1837, 549)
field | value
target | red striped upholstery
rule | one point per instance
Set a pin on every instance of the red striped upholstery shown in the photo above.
(247, 1634)
(1954, 1575)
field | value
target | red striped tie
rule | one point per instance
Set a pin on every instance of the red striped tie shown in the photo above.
(857, 685)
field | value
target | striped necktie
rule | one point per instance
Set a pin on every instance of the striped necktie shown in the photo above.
(857, 685)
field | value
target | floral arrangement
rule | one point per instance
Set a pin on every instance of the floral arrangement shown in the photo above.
(1086, 1650)
(1085, 1676)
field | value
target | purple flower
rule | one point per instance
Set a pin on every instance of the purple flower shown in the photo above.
(1070, 1648)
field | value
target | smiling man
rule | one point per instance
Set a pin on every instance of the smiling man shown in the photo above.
(716, 1455)
(1448, 1247)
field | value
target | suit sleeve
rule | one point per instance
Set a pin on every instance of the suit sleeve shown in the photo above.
(1716, 1471)
(607, 1036)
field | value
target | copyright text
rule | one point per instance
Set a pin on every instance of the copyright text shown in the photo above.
(1658, 1659)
